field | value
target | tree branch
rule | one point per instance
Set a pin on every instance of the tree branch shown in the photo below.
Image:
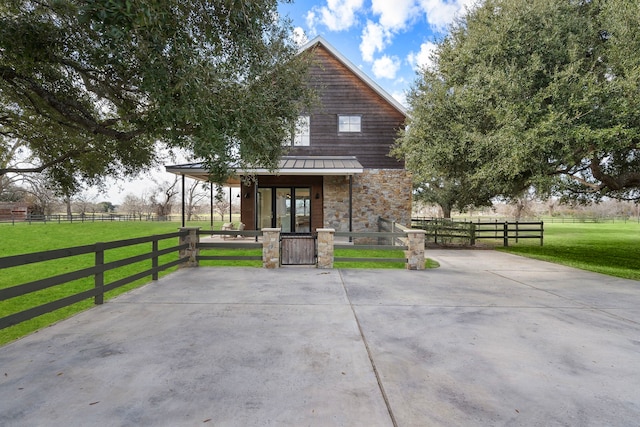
(72, 111)
(39, 169)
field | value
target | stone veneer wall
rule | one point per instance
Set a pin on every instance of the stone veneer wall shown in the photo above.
(336, 202)
(376, 193)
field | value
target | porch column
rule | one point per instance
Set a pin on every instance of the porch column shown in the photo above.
(210, 204)
(415, 251)
(325, 247)
(183, 202)
(192, 238)
(350, 204)
(271, 247)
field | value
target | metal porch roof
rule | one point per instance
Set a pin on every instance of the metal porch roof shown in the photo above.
(287, 165)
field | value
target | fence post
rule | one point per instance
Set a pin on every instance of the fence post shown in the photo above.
(505, 235)
(325, 247)
(192, 238)
(271, 247)
(435, 231)
(472, 234)
(154, 260)
(99, 276)
(541, 231)
(415, 250)
(517, 231)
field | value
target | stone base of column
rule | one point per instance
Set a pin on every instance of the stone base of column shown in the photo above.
(271, 247)
(325, 247)
(415, 251)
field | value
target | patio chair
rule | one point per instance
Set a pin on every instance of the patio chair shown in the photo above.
(227, 226)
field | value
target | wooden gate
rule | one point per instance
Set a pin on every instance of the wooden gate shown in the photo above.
(297, 249)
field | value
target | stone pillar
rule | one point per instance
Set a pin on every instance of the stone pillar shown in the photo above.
(325, 247)
(415, 251)
(192, 251)
(271, 247)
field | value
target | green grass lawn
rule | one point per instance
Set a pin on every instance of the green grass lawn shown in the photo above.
(367, 253)
(608, 248)
(24, 238)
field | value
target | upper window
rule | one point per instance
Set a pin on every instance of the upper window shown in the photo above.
(349, 123)
(302, 132)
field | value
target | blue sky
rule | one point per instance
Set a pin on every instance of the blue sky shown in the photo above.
(387, 39)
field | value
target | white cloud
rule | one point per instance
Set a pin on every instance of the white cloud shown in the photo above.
(386, 67)
(374, 38)
(337, 15)
(311, 22)
(423, 58)
(441, 13)
(395, 14)
(299, 37)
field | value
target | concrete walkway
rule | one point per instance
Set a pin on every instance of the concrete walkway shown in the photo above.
(486, 339)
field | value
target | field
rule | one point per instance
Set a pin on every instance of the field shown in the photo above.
(607, 248)
(24, 238)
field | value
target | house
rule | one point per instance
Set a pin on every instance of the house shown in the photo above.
(338, 172)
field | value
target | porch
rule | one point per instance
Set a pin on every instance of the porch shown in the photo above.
(306, 193)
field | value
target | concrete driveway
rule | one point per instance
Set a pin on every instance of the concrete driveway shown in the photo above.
(486, 339)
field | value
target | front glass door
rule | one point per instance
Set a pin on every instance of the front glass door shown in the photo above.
(287, 208)
(265, 210)
(302, 222)
(283, 209)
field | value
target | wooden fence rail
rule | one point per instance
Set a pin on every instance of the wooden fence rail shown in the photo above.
(80, 218)
(97, 270)
(188, 248)
(235, 240)
(368, 239)
(444, 230)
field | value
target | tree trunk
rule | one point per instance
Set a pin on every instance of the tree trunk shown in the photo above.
(446, 211)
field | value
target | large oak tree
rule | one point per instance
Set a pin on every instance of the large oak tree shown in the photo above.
(541, 93)
(91, 86)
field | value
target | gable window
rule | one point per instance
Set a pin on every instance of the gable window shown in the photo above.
(302, 132)
(349, 123)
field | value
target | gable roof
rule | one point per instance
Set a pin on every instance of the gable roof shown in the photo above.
(357, 71)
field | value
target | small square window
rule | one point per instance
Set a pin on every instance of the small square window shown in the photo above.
(349, 123)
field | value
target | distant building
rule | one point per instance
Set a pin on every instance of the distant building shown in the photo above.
(15, 211)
